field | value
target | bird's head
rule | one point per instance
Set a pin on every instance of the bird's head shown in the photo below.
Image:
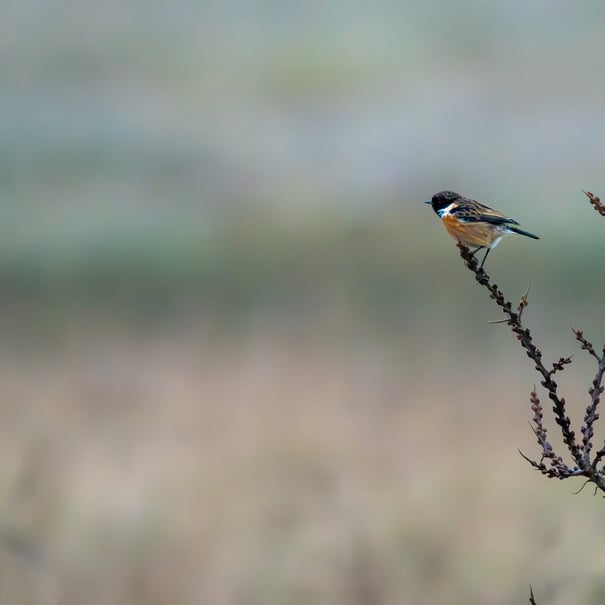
(442, 200)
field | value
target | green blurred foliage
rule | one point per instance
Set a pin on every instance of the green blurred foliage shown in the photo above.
(245, 158)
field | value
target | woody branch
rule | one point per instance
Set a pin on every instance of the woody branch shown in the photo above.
(585, 462)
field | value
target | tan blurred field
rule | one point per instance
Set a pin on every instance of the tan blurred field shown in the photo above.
(186, 465)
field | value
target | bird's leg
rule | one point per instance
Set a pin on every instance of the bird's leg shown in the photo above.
(487, 251)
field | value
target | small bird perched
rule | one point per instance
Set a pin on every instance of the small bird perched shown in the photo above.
(472, 223)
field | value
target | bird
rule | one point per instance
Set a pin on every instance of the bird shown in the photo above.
(472, 223)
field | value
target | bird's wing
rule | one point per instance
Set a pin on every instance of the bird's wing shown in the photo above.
(472, 211)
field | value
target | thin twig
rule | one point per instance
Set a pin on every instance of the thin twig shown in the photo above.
(524, 337)
(580, 454)
(595, 200)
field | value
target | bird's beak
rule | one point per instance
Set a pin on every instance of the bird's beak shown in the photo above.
(428, 201)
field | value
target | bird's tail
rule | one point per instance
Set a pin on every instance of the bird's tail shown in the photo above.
(516, 229)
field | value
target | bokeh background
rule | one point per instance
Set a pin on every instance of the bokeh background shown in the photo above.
(241, 361)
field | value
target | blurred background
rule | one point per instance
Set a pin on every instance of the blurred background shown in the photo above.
(241, 361)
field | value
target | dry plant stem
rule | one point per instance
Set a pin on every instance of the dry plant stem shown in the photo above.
(597, 389)
(595, 393)
(532, 599)
(580, 454)
(595, 200)
(557, 467)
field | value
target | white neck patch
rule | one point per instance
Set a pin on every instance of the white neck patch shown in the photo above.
(445, 211)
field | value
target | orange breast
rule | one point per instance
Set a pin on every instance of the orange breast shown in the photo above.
(471, 234)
